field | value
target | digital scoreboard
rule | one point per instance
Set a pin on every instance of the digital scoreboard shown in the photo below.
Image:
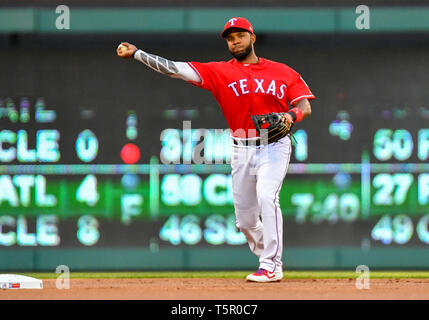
(80, 179)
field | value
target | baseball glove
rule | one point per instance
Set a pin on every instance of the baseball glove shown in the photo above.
(271, 126)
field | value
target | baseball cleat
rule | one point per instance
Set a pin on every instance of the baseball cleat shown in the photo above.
(263, 275)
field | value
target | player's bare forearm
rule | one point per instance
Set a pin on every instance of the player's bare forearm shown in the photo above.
(304, 109)
(173, 69)
(305, 106)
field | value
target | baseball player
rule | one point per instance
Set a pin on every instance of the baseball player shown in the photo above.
(247, 86)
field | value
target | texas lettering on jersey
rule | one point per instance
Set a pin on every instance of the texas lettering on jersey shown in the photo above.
(244, 89)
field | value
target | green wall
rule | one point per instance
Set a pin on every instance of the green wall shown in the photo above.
(341, 258)
(178, 19)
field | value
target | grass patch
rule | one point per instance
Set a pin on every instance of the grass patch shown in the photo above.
(233, 275)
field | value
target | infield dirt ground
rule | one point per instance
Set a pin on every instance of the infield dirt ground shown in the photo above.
(224, 289)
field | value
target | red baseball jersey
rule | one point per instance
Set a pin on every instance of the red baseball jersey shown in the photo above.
(244, 89)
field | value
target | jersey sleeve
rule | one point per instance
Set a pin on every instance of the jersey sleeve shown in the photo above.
(298, 89)
(207, 74)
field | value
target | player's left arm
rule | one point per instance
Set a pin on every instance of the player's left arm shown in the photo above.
(301, 110)
(305, 106)
(299, 96)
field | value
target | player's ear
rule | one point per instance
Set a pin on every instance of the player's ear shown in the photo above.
(253, 37)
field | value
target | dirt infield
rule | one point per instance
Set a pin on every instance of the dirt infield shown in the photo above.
(224, 289)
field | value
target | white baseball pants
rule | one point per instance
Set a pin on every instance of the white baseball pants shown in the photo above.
(257, 177)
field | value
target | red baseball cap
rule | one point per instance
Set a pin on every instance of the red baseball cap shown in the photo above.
(237, 22)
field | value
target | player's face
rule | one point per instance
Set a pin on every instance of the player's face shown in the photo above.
(240, 44)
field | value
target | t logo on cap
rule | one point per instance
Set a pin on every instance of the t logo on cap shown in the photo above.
(237, 22)
(231, 21)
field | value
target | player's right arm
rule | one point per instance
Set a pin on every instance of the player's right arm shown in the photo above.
(173, 69)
